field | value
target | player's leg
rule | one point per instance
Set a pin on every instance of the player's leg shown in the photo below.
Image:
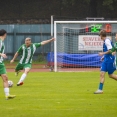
(18, 68)
(5, 81)
(23, 77)
(5, 84)
(6, 88)
(102, 78)
(113, 76)
(111, 69)
(27, 68)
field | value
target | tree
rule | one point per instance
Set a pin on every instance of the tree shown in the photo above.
(107, 3)
(94, 5)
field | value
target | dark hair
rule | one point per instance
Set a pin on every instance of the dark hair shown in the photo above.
(102, 33)
(2, 32)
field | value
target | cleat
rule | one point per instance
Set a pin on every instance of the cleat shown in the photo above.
(16, 73)
(98, 92)
(10, 97)
(19, 84)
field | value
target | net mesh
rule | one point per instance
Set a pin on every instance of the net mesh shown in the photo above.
(78, 45)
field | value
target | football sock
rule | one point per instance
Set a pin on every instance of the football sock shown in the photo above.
(101, 86)
(22, 77)
(6, 91)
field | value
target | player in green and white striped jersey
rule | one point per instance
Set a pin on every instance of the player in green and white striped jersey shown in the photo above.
(3, 35)
(114, 50)
(27, 51)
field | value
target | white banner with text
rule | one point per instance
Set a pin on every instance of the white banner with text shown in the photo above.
(90, 42)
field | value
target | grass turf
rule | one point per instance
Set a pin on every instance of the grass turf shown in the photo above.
(60, 95)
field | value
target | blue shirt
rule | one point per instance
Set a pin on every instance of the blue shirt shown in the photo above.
(106, 46)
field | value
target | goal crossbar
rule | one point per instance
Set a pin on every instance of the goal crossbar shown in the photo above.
(81, 22)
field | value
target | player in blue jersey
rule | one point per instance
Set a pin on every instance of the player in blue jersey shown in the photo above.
(108, 64)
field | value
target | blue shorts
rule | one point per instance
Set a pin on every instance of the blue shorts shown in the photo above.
(108, 67)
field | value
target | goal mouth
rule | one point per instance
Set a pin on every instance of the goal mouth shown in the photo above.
(78, 43)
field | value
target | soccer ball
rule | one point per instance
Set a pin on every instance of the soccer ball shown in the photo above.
(10, 83)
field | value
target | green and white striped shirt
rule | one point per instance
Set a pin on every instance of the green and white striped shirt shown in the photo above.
(2, 48)
(27, 52)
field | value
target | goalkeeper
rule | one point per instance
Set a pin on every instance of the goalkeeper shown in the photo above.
(27, 51)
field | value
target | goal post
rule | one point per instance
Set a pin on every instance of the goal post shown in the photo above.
(55, 47)
(77, 44)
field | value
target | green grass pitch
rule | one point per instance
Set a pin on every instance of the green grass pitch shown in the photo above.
(60, 95)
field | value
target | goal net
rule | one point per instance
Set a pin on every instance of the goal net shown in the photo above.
(78, 43)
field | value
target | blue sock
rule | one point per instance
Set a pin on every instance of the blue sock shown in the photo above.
(101, 86)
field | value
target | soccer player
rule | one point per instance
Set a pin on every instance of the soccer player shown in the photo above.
(108, 64)
(27, 51)
(3, 35)
(114, 49)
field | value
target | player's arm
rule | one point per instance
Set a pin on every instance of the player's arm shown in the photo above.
(109, 47)
(103, 53)
(16, 54)
(113, 51)
(3, 55)
(47, 41)
(102, 58)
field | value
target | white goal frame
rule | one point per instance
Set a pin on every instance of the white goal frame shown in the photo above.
(55, 36)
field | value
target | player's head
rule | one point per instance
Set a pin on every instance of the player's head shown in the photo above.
(102, 34)
(3, 34)
(116, 37)
(28, 41)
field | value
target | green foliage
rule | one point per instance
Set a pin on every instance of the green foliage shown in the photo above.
(60, 95)
(68, 2)
(109, 3)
